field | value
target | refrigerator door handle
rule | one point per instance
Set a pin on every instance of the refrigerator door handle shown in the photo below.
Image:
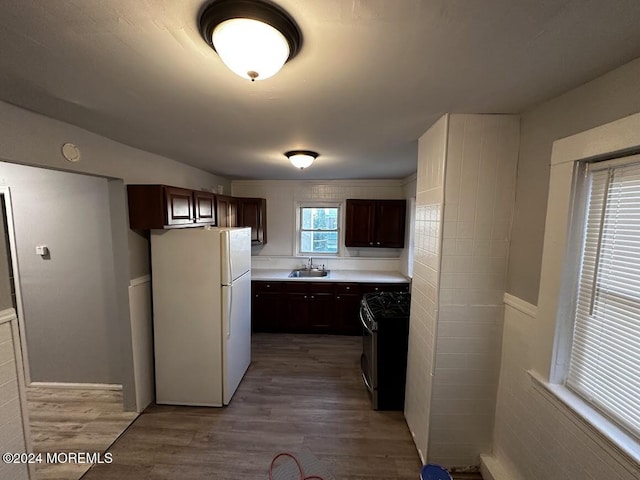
(230, 274)
(225, 252)
(227, 303)
(230, 311)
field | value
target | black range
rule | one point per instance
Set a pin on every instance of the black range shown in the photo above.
(385, 326)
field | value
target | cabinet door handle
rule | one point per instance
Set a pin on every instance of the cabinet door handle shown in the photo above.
(376, 289)
(268, 286)
(305, 296)
(370, 243)
(377, 243)
(256, 296)
(312, 296)
(348, 288)
(337, 298)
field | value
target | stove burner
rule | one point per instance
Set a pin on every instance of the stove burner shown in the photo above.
(387, 305)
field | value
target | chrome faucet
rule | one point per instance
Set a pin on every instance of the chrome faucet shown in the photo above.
(310, 264)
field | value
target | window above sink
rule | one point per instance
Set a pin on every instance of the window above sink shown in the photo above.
(318, 229)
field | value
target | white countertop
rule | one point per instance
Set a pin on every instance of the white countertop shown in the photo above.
(355, 276)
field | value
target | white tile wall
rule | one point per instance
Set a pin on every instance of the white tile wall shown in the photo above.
(482, 155)
(536, 436)
(426, 269)
(465, 196)
(333, 263)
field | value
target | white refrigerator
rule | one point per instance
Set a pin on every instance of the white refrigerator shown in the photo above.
(201, 280)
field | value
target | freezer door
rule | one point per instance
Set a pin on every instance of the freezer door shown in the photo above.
(235, 253)
(236, 334)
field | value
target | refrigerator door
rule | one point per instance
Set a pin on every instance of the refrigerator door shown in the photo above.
(235, 253)
(187, 321)
(236, 334)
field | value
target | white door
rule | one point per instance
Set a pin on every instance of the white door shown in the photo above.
(236, 334)
(235, 253)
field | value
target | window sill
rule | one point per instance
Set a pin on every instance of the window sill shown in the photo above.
(596, 422)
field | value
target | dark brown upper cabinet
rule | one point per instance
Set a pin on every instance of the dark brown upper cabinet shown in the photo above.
(163, 206)
(227, 208)
(204, 205)
(252, 212)
(375, 223)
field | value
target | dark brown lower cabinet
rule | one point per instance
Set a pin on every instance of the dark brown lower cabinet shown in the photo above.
(311, 307)
(296, 317)
(267, 299)
(347, 313)
(322, 313)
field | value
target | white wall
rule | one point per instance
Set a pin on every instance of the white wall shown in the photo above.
(69, 298)
(142, 340)
(282, 195)
(536, 435)
(33, 139)
(607, 98)
(432, 148)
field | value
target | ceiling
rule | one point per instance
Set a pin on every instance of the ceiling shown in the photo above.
(371, 77)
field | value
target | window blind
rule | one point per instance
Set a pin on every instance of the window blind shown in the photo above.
(604, 367)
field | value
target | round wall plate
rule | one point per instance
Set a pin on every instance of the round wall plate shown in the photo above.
(71, 152)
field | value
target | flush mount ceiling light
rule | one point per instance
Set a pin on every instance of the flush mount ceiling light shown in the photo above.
(301, 158)
(252, 37)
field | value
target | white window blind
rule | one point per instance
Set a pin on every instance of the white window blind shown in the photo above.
(605, 355)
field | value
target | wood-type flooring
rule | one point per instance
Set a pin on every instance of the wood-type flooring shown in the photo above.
(302, 393)
(65, 420)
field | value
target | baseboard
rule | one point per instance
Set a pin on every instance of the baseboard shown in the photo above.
(84, 386)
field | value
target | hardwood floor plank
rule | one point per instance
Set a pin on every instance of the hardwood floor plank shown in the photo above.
(73, 420)
(302, 393)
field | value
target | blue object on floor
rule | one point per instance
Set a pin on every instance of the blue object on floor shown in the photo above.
(432, 471)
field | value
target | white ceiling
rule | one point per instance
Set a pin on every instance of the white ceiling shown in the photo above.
(371, 77)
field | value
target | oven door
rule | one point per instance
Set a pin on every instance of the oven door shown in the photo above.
(369, 360)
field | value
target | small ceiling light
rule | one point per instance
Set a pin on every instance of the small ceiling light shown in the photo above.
(301, 158)
(252, 37)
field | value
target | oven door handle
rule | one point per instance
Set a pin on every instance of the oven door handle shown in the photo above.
(364, 323)
(364, 375)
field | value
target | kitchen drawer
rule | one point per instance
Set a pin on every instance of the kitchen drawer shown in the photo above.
(322, 287)
(265, 287)
(384, 287)
(296, 287)
(342, 288)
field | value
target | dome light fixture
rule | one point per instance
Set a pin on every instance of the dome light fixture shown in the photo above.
(253, 38)
(301, 158)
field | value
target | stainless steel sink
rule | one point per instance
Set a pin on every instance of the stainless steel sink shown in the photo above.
(304, 273)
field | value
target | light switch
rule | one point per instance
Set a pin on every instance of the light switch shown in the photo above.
(42, 250)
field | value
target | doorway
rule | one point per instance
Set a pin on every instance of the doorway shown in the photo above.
(65, 285)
